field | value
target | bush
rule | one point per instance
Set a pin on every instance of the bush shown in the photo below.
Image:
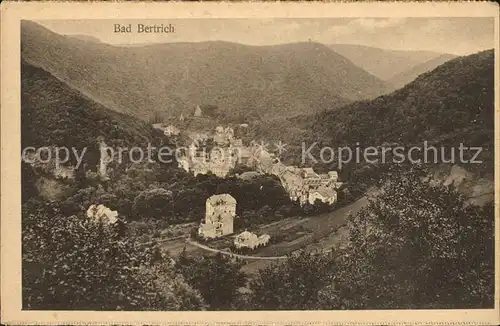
(155, 203)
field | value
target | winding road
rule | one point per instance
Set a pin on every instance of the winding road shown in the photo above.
(199, 245)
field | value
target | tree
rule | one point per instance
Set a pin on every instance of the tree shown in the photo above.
(418, 244)
(156, 203)
(28, 179)
(81, 263)
(320, 207)
(294, 284)
(217, 278)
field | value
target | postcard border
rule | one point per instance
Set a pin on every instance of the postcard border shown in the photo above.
(11, 15)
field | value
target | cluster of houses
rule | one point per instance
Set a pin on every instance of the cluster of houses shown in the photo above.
(220, 160)
(250, 240)
(306, 186)
(219, 221)
(302, 184)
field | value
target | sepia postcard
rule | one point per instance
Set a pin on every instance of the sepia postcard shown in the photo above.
(249, 163)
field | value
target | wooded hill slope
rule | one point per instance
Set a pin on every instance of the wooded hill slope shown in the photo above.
(452, 103)
(409, 75)
(449, 105)
(54, 114)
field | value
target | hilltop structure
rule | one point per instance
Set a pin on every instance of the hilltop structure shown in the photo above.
(219, 216)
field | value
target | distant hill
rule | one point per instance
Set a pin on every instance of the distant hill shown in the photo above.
(383, 63)
(86, 38)
(409, 75)
(244, 82)
(54, 114)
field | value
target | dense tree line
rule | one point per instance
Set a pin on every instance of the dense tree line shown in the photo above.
(77, 262)
(417, 245)
(159, 192)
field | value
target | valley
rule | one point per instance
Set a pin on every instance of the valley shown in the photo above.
(239, 220)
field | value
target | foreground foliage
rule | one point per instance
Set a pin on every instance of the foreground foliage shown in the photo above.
(80, 263)
(217, 278)
(418, 244)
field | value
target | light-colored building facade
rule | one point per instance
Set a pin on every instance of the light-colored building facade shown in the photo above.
(306, 186)
(102, 213)
(250, 240)
(219, 216)
(171, 130)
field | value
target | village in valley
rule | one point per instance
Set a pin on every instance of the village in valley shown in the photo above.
(218, 153)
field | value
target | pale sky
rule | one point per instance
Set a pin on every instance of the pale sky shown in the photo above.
(447, 35)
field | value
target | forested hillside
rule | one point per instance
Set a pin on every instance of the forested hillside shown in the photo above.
(409, 75)
(383, 63)
(451, 104)
(54, 114)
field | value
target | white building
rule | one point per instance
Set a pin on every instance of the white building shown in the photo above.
(306, 186)
(250, 240)
(324, 194)
(101, 212)
(171, 130)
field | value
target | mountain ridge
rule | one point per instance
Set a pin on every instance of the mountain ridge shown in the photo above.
(411, 74)
(173, 78)
(383, 63)
(451, 104)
